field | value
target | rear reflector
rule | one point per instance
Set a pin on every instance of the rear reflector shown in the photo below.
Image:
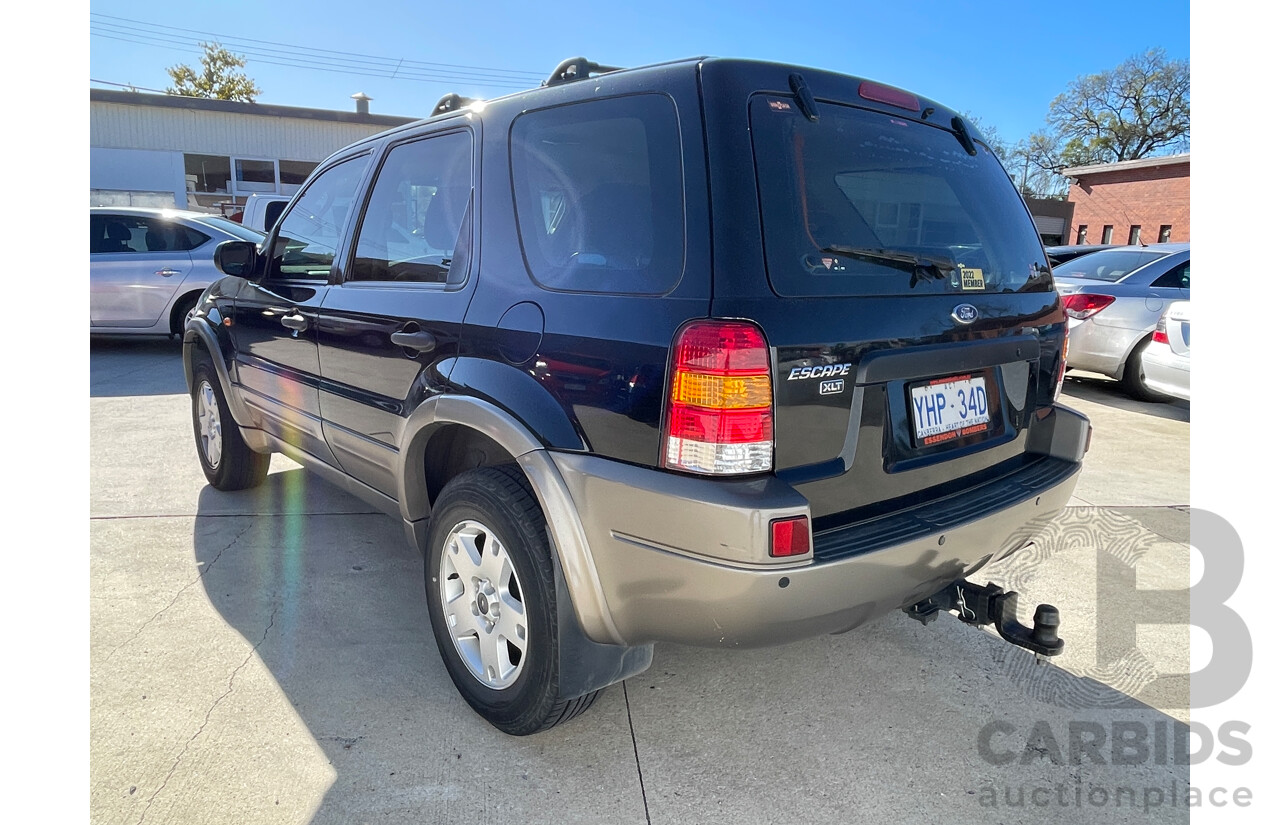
(890, 95)
(789, 536)
(1081, 305)
(720, 403)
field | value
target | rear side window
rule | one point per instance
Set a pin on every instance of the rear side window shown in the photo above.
(1177, 278)
(132, 233)
(416, 226)
(599, 195)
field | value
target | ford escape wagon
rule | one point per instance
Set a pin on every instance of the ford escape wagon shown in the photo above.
(716, 352)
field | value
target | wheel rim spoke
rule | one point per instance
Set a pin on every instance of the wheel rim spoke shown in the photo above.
(210, 425)
(483, 605)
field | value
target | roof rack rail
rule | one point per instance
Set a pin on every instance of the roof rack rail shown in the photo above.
(577, 68)
(451, 102)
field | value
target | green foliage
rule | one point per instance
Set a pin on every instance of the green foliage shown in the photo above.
(216, 79)
(1136, 110)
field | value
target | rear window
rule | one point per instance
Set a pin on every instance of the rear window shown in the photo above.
(599, 195)
(1106, 266)
(240, 231)
(863, 203)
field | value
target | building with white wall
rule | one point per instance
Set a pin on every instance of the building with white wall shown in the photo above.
(193, 153)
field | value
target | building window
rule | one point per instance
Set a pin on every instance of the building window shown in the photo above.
(255, 175)
(1165, 231)
(1082, 234)
(207, 173)
(293, 173)
(1106, 233)
(1135, 235)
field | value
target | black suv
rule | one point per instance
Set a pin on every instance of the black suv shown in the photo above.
(717, 352)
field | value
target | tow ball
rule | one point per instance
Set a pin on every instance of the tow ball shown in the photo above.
(993, 605)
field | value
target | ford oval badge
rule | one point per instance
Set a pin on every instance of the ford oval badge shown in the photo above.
(965, 313)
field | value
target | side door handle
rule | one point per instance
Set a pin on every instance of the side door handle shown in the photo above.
(167, 272)
(422, 341)
(294, 321)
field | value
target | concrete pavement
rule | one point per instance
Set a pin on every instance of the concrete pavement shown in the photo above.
(265, 656)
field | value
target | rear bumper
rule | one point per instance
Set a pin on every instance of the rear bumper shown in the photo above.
(1165, 372)
(1098, 348)
(685, 559)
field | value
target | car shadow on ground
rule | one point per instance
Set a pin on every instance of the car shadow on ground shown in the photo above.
(1107, 392)
(141, 365)
(333, 604)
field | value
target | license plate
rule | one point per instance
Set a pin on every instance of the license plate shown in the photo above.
(949, 408)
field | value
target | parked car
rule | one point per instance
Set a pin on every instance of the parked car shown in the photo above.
(147, 267)
(260, 211)
(1166, 359)
(1114, 299)
(608, 420)
(1059, 255)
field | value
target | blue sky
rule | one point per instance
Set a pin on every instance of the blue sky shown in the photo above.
(1002, 61)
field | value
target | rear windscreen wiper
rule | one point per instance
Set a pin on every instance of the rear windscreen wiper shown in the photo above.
(928, 266)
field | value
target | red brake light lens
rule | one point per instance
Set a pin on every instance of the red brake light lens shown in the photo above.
(1082, 305)
(887, 94)
(1161, 335)
(720, 400)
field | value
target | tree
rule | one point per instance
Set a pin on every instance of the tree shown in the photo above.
(1134, 111)
(217, 78)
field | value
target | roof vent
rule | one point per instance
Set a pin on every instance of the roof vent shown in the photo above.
(362, 103)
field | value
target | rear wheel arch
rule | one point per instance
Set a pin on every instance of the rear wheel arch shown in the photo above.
(178, 314)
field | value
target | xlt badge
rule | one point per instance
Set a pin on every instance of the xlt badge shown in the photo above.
(831, 387)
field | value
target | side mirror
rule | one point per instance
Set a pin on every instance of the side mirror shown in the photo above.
(238, 258)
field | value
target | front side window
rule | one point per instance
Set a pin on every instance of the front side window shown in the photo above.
(416, 226)
(864, 203)
(309, 234)
(599, 195)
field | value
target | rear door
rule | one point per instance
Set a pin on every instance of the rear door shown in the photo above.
(274, 317)
(898, 279)
(395, 315)
(136, 264)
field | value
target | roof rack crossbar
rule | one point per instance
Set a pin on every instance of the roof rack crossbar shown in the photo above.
(577, 68)
(451, 102)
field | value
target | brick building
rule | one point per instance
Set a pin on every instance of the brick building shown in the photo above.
(1134, 201)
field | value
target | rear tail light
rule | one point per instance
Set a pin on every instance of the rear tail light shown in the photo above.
(1161, 335)
(720, 404)
(1082, 305)
(789, 536)
(1062, 366)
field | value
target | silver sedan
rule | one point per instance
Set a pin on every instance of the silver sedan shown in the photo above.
(147, 267)
(1113, 299)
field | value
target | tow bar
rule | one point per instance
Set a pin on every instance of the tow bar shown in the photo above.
(993, 605)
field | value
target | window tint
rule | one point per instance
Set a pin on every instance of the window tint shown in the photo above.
(863, 203)
(416, 226)
(308, 235)
(599, 197)
(1177, 278)
(133, 233)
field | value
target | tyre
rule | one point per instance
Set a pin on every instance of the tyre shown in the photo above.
(492, 599)
(178, 318)
(226, 459)
(1133, 381)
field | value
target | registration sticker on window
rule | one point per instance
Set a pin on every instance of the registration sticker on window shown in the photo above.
(949, 408)
(972, 279)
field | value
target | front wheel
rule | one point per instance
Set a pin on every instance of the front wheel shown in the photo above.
(492, 600)
(226, 459)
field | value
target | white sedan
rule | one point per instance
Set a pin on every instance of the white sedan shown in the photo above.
(1166, 361)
